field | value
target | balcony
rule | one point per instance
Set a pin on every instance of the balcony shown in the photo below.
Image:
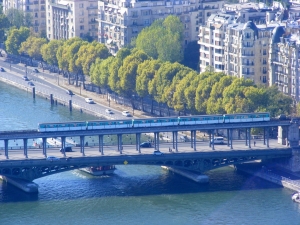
(248, 64)
(247, 73)
(92, 7)
(247, 55)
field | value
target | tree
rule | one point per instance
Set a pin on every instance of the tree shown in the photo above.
(49, 51)
(32, 46)
(4, 24)
(99, 71)
(191, 55)
(15, 38)
(163, 39)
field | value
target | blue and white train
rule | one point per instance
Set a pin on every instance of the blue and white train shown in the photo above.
(154, 122)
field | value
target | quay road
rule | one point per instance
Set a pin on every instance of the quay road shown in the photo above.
(112, 150)
(49, 83)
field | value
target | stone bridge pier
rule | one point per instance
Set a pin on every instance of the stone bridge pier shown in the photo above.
(289, 136)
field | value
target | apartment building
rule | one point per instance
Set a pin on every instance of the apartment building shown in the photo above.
(211, 41)
(284, 60)
(246, 51)
(122, 20)
(72, 18)
(36, 8)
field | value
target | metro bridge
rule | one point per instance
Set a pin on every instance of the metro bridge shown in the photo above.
(28, 167)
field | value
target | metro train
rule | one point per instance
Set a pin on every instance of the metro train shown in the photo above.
(154, 122)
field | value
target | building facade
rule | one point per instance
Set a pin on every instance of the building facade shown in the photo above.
(36, 9)
(122, 20)
(73, 18)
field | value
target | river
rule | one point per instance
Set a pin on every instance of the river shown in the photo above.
(134, 194)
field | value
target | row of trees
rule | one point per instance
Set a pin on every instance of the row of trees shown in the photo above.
(132, 72)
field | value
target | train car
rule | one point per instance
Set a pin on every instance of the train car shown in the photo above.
(203, 119)
(64, 126)
(109, 124)
(154, 122)
(246, 117)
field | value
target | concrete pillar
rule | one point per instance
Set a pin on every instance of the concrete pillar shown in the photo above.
(194, 139)
(212, 140)
(264, 136)
(209, 138)
(44, 146)
(138, 142)
(173, 138)
(228, 138)
(25, 141)
(6, 148)
(63, 145)
(120, 147)
(246, 137)
(282, 135)
(176, 141)
(293, 134)
(249, 136)
(231, 138)
(156, 140)
(82, 145)
(101, 144)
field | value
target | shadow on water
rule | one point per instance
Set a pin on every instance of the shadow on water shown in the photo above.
(155, 181)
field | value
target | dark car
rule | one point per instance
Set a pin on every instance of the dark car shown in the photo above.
(35, 71)
(67, 149)
(25, 78)
(30, 83)
(1, 69)
(146, 145)
(69, 92)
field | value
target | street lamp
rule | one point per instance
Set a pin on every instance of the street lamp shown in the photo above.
(80, 88)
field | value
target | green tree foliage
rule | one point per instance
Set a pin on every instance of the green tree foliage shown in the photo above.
(145, 73)
(162, 40)
(32, 46)
(15, 38)
(128, 71)
(49, 51)
(4, 24)
(88, 53)
(99, 72)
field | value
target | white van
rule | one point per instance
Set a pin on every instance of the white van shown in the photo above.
(217, 140)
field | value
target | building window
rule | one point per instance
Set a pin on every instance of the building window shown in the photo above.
(81, 5)
(81, 20)
(81, 13)
(35, 15)
(81, 27)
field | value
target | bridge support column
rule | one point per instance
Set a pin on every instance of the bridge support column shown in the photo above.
(282, 135)
(6, 148)
(120, 147)
(176, 141)
(213, 140)
(101, 144)
(228, 137)
(138, 142)
(63, 145)
(156, 140)
(249, 137)
(209, 138)
(231, 137)
(265, 136)
(194, 140)
(246, 137)
(293, 134)
(44, 146)
(173, 139)
(82, 145)
(25, 140)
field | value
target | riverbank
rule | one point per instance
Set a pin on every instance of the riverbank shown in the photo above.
(280, 177)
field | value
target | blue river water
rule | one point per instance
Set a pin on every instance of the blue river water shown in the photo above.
(134, 194)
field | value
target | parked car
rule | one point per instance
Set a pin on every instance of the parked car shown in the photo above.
(109, 111)
(2, 69)
(30, 83)
(25, 78)
(35, 71)
(89, 100)
(67, 149)
(157, 152)
(217, 140)
(69, 92)
(52, 158)
(146, 145)
(126, 113)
